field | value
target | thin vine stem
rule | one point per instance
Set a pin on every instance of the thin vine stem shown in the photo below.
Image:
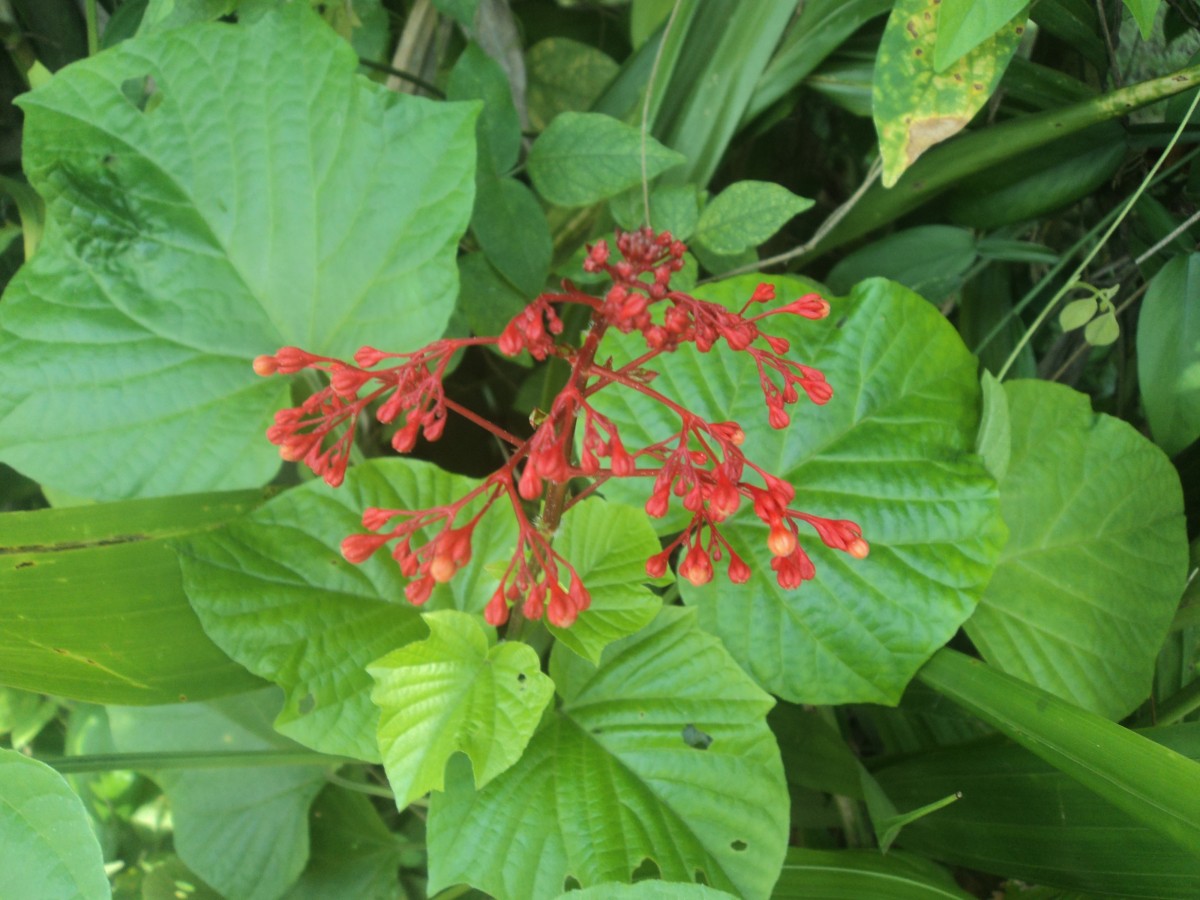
(1116, 223)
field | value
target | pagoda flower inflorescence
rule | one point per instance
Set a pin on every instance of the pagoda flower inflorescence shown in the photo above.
(701, 465)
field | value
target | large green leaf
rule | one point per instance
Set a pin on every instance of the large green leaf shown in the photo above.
(243, 830)
(914, 104)
(621, 773)
(1156, 785)
(273, 591)
(195, 223)
(891, 451)
(1019, 817)
(451, 692)
(582, 158)
(608, 544)
(47, 848)
(1096, 559)
(1168, 344)
(93, 605)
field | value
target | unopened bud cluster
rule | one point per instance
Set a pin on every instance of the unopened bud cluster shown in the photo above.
(702, 465)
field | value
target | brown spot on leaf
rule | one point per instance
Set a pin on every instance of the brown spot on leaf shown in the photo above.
(912, 29)
(919, 52)
(977, 86)
(924, 133)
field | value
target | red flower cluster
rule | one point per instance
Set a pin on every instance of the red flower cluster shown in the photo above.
(702, 464)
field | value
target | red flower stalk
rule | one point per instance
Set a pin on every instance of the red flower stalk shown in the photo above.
(702, 464)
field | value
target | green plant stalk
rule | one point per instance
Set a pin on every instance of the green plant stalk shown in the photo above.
(93, 28)
(1155, 785)
(208, 759)
(1073, 280)
(945, 165)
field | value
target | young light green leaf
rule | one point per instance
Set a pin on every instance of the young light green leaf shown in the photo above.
(617, 742)
(1102, 330)
(451, 692)
(1077, 313)
(608, 544)
(1168, 345)
(1084, 591)
(1144, 13)
(273, 591)
(583, 158)
(564, 76)
(745, 215)
(205, 224)
(244, 830)
(47, 848)
(962, 25)
(891, 451)
(914, 105)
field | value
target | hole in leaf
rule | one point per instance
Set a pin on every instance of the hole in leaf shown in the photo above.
(647, 871)
(695, 738)
(571, 883)
(142, 92)
(739, 846)
(700, 877)
(307, 703)
(24, 564)
(520, 676)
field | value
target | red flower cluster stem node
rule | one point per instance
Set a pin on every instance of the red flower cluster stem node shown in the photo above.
(701, 467)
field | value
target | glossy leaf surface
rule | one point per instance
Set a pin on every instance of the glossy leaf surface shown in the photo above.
(891, 451)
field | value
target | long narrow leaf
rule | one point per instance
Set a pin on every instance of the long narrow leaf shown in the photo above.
(93, 605)
(944, 166)
(1155, 785)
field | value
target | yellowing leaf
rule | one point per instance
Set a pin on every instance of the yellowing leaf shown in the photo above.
(915, 106)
